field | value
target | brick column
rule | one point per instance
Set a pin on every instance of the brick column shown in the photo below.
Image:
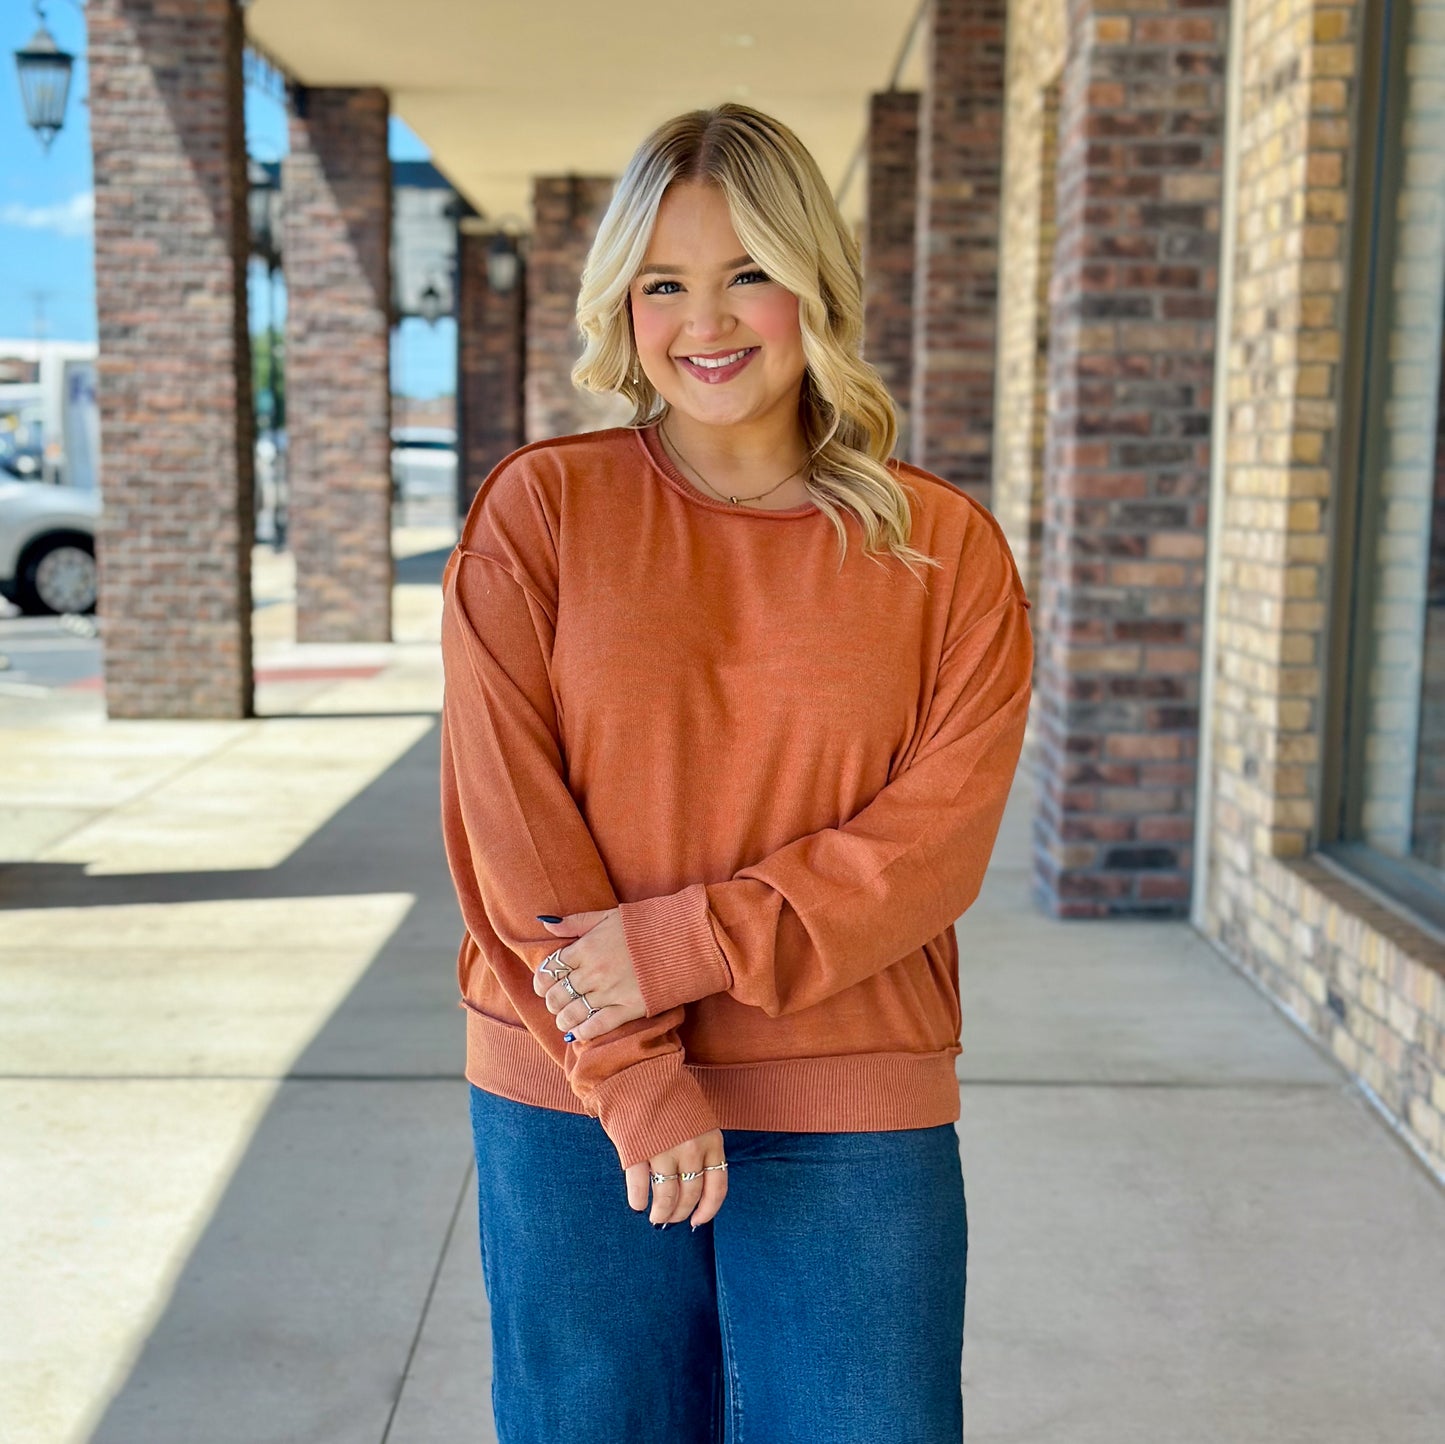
(490, 346)
(1121, 599)
(566, 212)
(1026, 261)
(960, 159)
(174, 546)
(888, 247)
(337, 184)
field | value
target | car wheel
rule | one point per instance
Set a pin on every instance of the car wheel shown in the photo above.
(58, 576)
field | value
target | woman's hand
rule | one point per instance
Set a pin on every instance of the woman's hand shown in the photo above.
(675, 1199)
(601, 967)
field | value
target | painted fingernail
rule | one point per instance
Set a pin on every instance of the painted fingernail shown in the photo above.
(659, 1225)
(569, 1037)
(546, 918)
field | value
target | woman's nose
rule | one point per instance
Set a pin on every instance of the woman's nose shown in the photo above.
(708, 319)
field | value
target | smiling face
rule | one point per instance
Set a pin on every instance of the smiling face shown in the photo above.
(699, 298)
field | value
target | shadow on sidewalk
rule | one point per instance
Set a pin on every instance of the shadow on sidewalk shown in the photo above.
(298, 1314)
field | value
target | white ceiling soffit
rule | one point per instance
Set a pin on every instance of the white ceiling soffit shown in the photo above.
(503, 92)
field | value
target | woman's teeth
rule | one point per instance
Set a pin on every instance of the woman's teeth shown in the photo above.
(712, 364)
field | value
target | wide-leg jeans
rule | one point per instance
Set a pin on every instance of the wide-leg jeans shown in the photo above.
(825, 1302)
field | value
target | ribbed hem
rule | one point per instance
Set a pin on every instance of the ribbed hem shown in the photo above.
(673, 948)
(841, 1093)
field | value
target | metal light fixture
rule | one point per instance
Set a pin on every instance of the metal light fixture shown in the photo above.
(263, 209)
(504, 252)
(502, 263)
(430, 304)
(44, 81)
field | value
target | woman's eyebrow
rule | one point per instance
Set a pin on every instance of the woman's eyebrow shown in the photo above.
(682, 270)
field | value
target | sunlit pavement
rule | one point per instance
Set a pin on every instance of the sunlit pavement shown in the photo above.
(236, 1202)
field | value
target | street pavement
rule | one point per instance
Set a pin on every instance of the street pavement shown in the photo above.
(237, 1202)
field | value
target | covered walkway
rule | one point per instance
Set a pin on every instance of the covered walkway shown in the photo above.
(238, 1195)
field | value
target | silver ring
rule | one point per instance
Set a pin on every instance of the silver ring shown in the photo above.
(591, 1011)
(567, 983)
(686, 1176)
(661, 1177)
(711, 1167)
(554, 967)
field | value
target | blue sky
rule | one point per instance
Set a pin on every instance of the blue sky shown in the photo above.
(47, 264)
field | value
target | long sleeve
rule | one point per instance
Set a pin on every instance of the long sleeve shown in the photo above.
(518, 846)
(835, 906)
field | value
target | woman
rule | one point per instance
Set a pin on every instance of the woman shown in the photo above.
(733, 704)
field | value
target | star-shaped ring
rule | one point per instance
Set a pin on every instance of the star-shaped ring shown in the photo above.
(553, 966)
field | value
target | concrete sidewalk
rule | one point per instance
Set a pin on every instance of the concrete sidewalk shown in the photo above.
(236, 1194)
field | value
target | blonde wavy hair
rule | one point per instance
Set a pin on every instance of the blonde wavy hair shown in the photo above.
(786, 217)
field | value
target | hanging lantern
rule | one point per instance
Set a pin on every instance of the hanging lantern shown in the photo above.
(431, 304)
(503, 263)
(44, 81)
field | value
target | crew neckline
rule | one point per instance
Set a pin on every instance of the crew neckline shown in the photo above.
(653, 450)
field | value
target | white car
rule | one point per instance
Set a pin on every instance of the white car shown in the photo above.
(47, 547)
(423, 461)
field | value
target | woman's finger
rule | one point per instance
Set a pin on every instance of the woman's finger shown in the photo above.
(543, 983)
(570, 1016)
(558, 999)
(637, 1187)
(690, 1189)
(665, 1193)
(714, 1190)
(601, 1022)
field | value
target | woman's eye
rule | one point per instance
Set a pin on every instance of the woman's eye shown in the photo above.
(654, 288)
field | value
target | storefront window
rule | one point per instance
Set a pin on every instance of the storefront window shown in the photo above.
(1392, 824)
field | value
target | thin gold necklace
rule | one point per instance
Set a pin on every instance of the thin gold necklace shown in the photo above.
(672, 445)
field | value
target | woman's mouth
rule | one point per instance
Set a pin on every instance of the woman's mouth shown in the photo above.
(714, 370)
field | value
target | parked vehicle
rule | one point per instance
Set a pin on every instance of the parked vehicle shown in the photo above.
(423, 461)
(22, 451)
(50, 422)
(47, 547)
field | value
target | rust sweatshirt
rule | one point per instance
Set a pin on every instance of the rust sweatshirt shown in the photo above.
(786, 772)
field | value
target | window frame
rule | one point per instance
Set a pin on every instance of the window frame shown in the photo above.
(1405, 885)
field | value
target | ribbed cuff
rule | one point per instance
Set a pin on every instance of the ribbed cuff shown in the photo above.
(651, 1107)
(673, 949)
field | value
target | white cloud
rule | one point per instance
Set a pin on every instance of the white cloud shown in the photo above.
(69, 218)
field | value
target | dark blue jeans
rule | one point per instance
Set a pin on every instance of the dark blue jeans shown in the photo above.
(824, 1303)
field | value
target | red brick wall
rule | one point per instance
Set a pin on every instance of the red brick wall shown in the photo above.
(960, 161)
(423, 410)
(889, 245)
(337, 184)
(174, 548)
(566, 212)
(490, 351)
(1121, 601)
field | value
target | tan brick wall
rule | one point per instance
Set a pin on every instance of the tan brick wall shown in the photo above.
(1369, 986)
(1406, 658)
(1028, 229)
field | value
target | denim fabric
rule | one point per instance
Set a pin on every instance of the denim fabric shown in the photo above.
(824, 1303)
